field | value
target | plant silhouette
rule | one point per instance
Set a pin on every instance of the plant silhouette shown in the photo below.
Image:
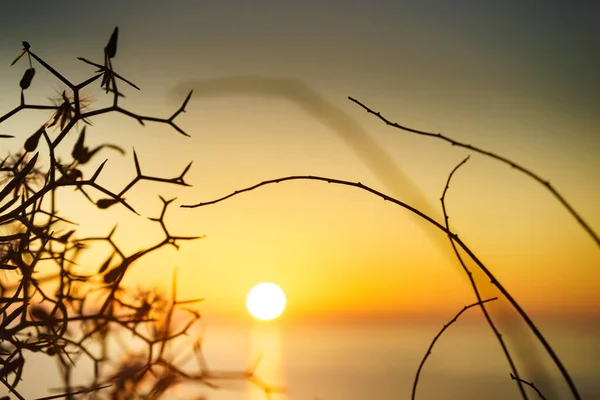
(75, 317)
(495, 156)
(453, 237)
(47, 305)
(379, 162)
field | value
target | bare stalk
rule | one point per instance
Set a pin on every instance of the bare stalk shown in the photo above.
(70, 315)
(530, 384)
(486, 314)
(524, 170)
(446, 326)
(537, 333)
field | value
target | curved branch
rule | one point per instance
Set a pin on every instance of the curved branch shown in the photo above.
(530, 384)
(538, 334)
(428, 353)
(486, 314)
(524, 170)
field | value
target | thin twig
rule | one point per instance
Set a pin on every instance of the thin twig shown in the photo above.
(446, 326)
(528, 172)
(488, 318)
(530, 384)
(538, 334)
(49, 310)
(81, 391)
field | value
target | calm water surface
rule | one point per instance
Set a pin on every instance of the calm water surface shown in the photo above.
(379, 361)
(352, 361)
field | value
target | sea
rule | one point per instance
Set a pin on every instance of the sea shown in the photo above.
(359, 360)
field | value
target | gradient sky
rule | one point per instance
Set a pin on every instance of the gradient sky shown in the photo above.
(513, 78)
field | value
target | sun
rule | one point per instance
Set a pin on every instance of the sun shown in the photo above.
(265, 301)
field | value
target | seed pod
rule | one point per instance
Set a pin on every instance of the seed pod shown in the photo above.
(112, 275)
(13, 316)
(32, 142)
(104, 266)
(12, 366)
(19, 177)
(39, 313)
(111, 48)
(105, 203)
(69, 176)
(27, 77)
(64, 238)
(79, 150)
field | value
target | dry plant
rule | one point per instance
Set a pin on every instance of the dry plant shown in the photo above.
(457, 243)
(75, 317)
(379, 163)
(47, 304)
(545, 183)
(455, 239)
(435, 339)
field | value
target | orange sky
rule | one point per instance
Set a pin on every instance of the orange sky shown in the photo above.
(338, 250)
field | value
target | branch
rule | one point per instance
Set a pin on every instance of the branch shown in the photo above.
(52, 70)
(11, 388)
(488, 318)
(455, 238)
(453, 320)
(49, 313)
(530, 384)
(142, 118)
(543, 182)
(68, 395)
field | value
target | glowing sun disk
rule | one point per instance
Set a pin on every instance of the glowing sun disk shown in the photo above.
(265, 301)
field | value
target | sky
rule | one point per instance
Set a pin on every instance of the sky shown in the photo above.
(271, 81)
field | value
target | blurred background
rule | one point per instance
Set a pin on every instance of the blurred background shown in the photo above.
(368, 284)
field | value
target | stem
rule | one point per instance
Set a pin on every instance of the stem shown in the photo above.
(453, 236)
(524, 170)
(428, 353)
(486, 314)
